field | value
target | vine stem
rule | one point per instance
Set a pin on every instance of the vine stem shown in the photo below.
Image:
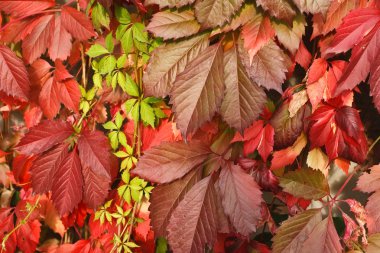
(21, 223)
(373, 144)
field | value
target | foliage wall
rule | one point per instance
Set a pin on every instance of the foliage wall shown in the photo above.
(189, 126)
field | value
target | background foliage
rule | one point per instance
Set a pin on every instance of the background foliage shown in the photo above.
(189, 126)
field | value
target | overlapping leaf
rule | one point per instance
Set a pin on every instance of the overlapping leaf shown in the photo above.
(203, 79)
(294, 231)
(173, 24)
(194, 222)
(241, 198)
(243, 100)
(305, 183)
(280, 9)
(170, 161)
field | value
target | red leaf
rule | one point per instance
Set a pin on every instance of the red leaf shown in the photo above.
(340, 130)
(256, 34)
(44, 136)
(354, 27)
(194, 222)
(94, 152)
(317, 70)
(23, 8)
(28, 236)
(241, 198)
(77, 23)
(49, 98)
(287, 156)
(95, 188)
(34, 45)
(68, 184)
(60, 45)
(170, 161)
(6, 226)
(258, 137)
(363, 56)
(165, 199)
(46, 166)
(70, 94)
(303, 56)
(14, 79)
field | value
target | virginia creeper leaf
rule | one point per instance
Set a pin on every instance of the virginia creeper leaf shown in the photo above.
(60, 44)
(169, 3)
(241, 198)
(198, 91)
(170, 161)
(194, 222)
(305, 183)
(23, 8)
(77, 23)
(213, 13)
(243, 99)
(68, 183)
(95, 188)
(173, 24)
(14, 79)
(293, 232)
(280, 9)
(165, 198)
(44, 136)
(328, 239)
(168, 61)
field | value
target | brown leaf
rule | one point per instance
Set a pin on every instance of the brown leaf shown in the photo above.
(213, 13)
(243, 99)
(168, 61)
(165, 198)
(173, 24)
(195, 221)
(241, 198)
(280, 9)
(198, 91)
(170, 161)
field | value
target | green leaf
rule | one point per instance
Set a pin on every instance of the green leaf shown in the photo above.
(136, 113)
(121, 81)
(152, 100)
(131, 87)
(125, 193)
(159, 113)
(97, 50)
(107, 64)
(128, 105)
(127, 41)
(118, 120)
(109, 42)
(121, 61)
(97, 79)
(110, 126)
(122, 139)
(162, 245)
(147, 113)
(113, 139)
(100, 16)
(114, 80)
(139, 32)
(305, 183)
(122, 15)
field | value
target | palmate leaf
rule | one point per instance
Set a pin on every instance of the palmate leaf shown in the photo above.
(23, 8)
(77, 23)
(198, 91)
(268, 66)
(173, 24)
(60, 44)
(44, 136)
(328, 239)
(68, 183)
(165, 198)
(168, 61)
(305, 183)
(243, 99)
(213, 13)
(241, 198)
(170, 161)
(14, 79)
(293, 232)
(194, 221)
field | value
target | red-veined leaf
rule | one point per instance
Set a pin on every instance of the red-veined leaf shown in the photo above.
(23, 8)
(60, 44)
(280, 9)
(77, 23)
(95, 188)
